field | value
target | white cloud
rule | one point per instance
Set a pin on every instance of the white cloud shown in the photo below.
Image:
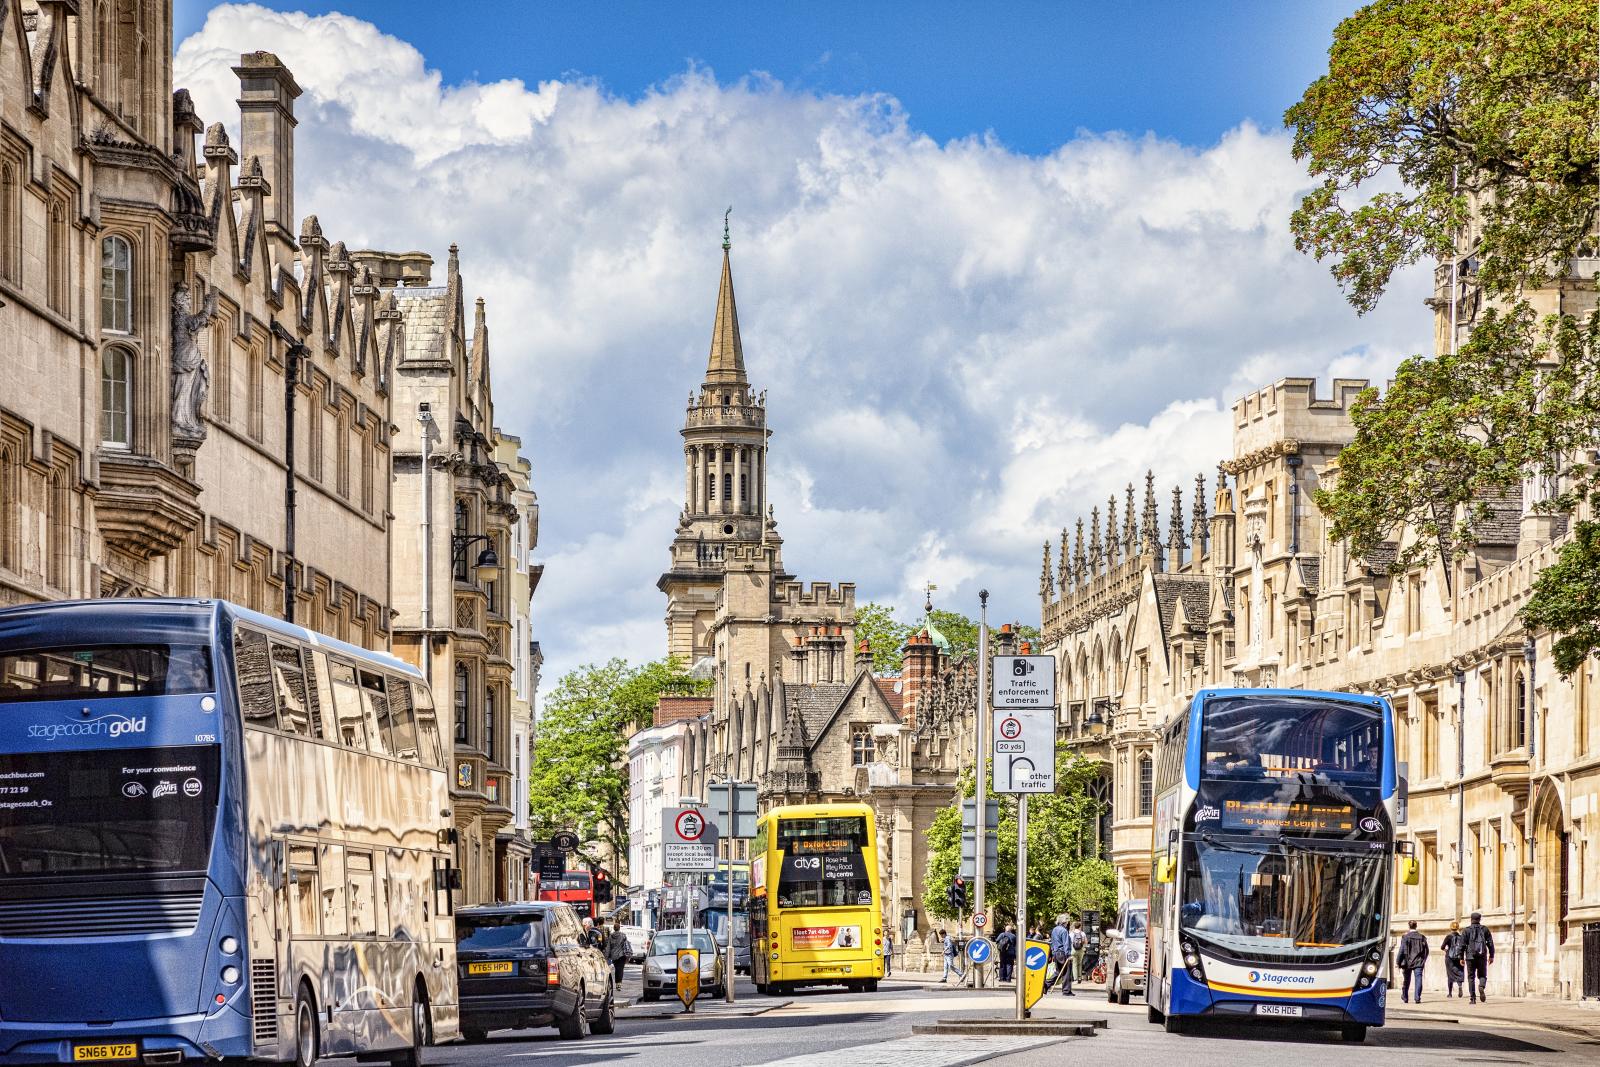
(965, 348)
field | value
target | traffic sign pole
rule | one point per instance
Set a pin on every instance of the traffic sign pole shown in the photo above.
(981, 752)
(1022, 901)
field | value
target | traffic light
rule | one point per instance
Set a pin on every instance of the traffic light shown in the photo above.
(602, 886)
(956, 895)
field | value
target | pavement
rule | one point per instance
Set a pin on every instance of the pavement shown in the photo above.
(1578, 1018)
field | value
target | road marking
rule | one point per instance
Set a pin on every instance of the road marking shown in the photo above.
(921, 1051)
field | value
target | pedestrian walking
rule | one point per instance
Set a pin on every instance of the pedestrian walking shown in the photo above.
(1411, 957)
(952, 957)
(1080, 942)
(1477, 949)
(1006, 946)
(888, 951)
(1453, 970)
(617, 949)
(1061, 953)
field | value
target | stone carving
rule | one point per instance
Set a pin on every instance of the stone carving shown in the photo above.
(191, 381)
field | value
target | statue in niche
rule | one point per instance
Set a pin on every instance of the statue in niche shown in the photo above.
(191, 380)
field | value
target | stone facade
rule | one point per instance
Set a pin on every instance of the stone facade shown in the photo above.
(457, 506)
(1250, 590)
(514, 844)
(159, 298)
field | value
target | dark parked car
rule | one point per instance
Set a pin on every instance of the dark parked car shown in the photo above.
(523, 965)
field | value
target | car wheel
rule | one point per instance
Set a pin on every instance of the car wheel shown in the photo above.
(650, 996)
(606, 1021)
(1122, 996)
(575, 1027)
(305, 1030)
(1111, 988)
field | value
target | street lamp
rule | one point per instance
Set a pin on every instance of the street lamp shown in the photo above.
(1096, 723)
(488, 561)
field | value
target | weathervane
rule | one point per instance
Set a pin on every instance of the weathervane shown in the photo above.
(726, 244)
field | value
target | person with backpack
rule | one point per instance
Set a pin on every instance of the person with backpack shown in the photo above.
(952, 958)
(1411, 957)
(1477, 949)
(617, 949)
(1453, 971)
(1080, 942)
(1006, 946)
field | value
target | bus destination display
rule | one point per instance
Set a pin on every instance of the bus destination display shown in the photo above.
(1298, 815)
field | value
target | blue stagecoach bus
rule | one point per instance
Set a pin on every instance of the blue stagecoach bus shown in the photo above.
(221, 837)
(1272, 860)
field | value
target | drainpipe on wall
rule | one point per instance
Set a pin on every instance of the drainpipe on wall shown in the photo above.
(1461, 775)
(294, 352)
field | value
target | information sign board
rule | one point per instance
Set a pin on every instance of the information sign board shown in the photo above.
(1025, 750)
(1023, 682)
(688, 841)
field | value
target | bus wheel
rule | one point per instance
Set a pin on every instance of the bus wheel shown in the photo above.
(421, 1030)
(1356, 1032)
(1175, 1024)
(1152, 1014)
(305, 1030)
(871, 984)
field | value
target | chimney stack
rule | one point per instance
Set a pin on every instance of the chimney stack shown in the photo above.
(267, 92)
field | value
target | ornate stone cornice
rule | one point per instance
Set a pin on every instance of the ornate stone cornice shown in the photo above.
(1250, 460)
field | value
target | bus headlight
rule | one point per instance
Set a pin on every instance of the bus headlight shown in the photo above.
(230, 975)
(229, 946)
(1369, 968)
(1191, 960)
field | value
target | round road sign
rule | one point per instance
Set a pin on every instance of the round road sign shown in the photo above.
(1010, 727)
(690, 825)
(980, 950)
(1035, 958)
(980, 919)
(565, 840)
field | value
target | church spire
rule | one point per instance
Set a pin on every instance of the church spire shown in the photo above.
(726, 365)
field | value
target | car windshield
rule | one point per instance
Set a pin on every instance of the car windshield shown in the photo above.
(669, 942)
(1133, 925)
(517, 930)
(1282, 897)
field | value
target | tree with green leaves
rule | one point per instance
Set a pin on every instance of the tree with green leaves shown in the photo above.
(578, 780)
(1066, 872)
(884, 634)
(1464, 131)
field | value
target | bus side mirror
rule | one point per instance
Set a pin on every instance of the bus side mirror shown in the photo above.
(1166, 869)
(1408, 870)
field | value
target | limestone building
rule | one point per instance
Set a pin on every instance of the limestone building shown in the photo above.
(514, 844)
(1503, 754)
(456, 510)
(170, 326)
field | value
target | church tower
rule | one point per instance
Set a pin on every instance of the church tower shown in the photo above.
(725, 484)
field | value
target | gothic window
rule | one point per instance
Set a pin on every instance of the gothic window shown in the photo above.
(463, 687)
(462, 531)
(116, 285)
(255, 392)
(222, 368)
(1146, 786)
(366, 472)
(1519, 725)
(60, 545)
(9, 497)
(488, 721)
(861, 746)
(341, 441)
(59, 253)
(314, 430)
(10, 222)
(116, 395)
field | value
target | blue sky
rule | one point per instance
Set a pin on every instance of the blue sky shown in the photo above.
(967, 343)
(1031, 73)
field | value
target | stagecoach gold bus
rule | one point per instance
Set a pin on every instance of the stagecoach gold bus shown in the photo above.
(814, 904)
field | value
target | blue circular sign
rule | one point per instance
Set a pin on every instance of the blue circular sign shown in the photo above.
(1034, 959)
(979, 949)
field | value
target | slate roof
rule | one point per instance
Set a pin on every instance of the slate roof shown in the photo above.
(1194, 592)
(1503, 524)
(1381, 559)
(1311, 573)
(816, 704)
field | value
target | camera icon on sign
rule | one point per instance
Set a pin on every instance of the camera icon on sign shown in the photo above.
(1021, 668)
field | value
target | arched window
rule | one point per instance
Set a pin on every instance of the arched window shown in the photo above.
(116, 397)
(463, 687)
(10, 223)
(58, 256)
(1147, 782)
(116, 285)
(8, 509)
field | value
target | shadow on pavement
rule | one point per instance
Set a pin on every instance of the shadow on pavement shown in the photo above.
(1432, 1038)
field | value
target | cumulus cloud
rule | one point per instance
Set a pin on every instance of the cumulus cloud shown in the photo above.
(964, 347)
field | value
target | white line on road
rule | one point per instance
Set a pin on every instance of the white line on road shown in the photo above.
(922, 1051)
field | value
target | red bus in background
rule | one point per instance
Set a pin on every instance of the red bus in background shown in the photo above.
(578, 888)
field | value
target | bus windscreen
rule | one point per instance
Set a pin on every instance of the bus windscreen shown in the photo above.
(1321, 740)
(823, 864)
(99, 672)
(135, 811)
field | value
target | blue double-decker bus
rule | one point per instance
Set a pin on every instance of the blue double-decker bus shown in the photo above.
(1273, 858)
(221, 837)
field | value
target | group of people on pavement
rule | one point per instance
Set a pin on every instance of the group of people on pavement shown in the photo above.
(1073, 954)
(612, 943)
(1467, 955)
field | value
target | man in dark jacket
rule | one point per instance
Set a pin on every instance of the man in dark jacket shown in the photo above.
(1006, 946)
(1411, 957)
(1477, 949)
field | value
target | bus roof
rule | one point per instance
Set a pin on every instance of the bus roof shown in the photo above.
(813, 811)
(158, 619)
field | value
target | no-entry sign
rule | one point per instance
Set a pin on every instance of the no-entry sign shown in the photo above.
(688, 841)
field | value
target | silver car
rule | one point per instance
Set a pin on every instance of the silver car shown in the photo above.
(661, 965)
(1129, 953)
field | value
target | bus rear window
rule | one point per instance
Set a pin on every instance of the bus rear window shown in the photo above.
(97, 672)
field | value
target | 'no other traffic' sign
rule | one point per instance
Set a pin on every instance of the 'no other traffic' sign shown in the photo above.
(1025, 750)
(688, 841)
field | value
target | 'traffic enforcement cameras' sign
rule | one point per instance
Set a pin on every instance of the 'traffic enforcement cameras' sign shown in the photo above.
(688, 841)
(1024, 681)
(1025, 750)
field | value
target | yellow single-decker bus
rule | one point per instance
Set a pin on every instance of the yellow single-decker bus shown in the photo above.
(814, 904)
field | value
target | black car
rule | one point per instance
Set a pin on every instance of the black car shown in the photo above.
(525, 965)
